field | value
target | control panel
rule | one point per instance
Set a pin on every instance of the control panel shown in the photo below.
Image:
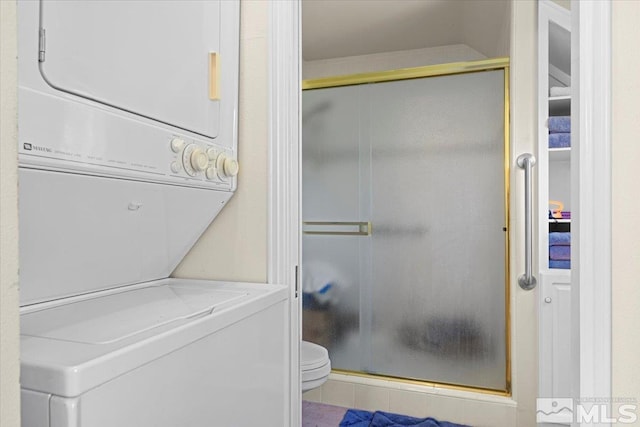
(154, 155)
(198, 160)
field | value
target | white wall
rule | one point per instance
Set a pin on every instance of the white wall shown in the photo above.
(234, 247)
(9, 335)
(492, 42)
(626, 205)
(388, 61)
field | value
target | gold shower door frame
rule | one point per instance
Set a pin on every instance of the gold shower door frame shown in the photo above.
(432, 71)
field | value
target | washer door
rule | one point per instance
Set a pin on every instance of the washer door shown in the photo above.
(155, 59)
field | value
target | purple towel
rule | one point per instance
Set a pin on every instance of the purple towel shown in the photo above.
(559, 239)
(559, 124)
(564, 265)
(560, 253)
(559, 140)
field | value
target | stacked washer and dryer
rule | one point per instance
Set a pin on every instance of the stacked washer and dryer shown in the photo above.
(128, 148)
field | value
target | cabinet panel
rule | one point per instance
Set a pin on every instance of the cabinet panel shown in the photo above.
(555, 335)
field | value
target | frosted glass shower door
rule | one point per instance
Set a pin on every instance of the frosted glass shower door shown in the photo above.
(438, 214)
(335, 197)
(423, 296)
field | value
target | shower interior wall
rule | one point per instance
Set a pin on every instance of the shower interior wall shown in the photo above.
(389, 61)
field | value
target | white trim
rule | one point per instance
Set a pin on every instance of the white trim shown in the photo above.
(284, 174)
(591, 195)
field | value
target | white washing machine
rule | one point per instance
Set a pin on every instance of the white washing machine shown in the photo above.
(168, 353)
(128, 151)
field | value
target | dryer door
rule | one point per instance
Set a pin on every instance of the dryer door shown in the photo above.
(157, 59)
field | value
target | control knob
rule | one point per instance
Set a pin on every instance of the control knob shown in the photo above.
(177, 144)
(194, 159)
(199, 160)
(227, 166)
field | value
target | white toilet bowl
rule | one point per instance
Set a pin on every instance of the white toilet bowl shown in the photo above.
(315, 365)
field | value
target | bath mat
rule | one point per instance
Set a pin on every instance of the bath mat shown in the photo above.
(321, 415)
(359, 418)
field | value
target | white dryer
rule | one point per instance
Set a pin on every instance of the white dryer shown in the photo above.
(127, 137)
(128, 151)
(138, 89)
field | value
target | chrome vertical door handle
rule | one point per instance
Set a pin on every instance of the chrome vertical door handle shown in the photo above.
(527, 281)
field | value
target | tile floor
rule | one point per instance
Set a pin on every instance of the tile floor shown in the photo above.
(316, 414)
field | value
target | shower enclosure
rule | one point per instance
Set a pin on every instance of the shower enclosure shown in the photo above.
(405, 247)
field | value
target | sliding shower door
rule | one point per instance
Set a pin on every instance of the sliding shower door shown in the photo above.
(405, 248)
(336, 243)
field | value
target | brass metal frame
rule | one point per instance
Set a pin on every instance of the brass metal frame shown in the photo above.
(443, 70)
(507, 230)
(407, 73)
(411, 381)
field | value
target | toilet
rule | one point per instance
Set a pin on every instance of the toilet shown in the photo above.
(315, 365)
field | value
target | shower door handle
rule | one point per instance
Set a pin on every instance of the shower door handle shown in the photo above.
(527, 281)
(337, 228)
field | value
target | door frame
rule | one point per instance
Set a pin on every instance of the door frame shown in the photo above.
(592, 195)
(284, 189)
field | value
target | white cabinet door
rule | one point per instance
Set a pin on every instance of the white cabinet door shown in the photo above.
(555, 335)
(150, 58)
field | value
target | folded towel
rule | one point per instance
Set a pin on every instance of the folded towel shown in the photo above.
(564, 265)
(559, 124)
(559, 140)
(560, 91)
(560, 253)
(359, 418)
(559, 239)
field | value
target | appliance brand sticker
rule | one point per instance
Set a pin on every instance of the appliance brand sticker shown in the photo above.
(30, 147)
